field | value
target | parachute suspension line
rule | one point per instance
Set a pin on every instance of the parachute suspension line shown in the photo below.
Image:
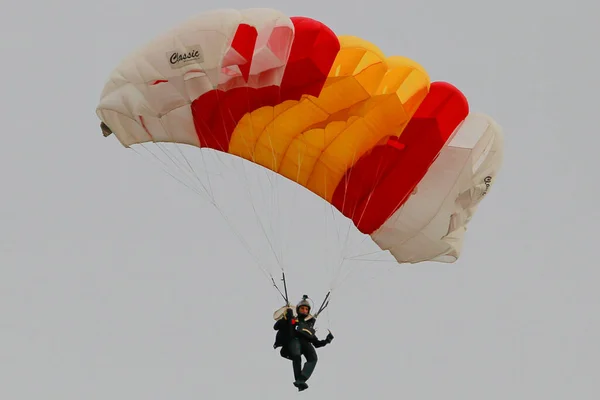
(329, 320)
(326, 239)
(326, 256)
(207, 194)
(210, 187)
(346, 240)
(258, 261)
(351, 270)
(358, 257)
(334, 266)
(186, 173)
(275, 213)
(262, 227)
(165, 169)
(275, 203)
(245, 244)
(273, 208)
(214, 203)
(191, 170)
(248, 193)
(337, 230)
(275, 241)
(275, 220)
(337, 270)
(211, 200)
(240, 237)
(224, 123)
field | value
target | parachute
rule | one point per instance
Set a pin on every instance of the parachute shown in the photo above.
(398, 154)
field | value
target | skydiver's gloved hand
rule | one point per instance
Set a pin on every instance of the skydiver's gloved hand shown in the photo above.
(329, 337)
(289, 313)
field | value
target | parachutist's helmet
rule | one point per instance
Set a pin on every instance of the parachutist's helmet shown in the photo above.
(303, 302)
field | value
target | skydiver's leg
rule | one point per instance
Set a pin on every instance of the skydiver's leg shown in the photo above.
(297, 366)
(311, 360)
(295, 354)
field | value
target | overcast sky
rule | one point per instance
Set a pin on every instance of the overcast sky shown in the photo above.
(117, 282)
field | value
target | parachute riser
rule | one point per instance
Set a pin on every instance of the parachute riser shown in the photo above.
(324, 304)
(287, 301)
(284, 296)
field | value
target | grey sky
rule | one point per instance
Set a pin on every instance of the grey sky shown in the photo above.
(118, 282)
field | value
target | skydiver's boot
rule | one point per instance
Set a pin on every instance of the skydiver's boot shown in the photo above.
(301, 384)
(300, 381)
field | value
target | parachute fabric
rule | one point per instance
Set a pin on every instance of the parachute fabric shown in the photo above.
(397, 154)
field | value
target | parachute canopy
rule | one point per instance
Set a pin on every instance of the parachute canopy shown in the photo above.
(398, 154)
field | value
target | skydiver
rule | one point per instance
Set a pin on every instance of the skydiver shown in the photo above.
(296, 337)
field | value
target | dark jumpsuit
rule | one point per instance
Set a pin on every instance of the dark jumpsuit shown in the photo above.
(296, 337)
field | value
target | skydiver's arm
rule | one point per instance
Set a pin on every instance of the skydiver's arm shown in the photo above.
(281, 324)
(285, 321)
(320, 343)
